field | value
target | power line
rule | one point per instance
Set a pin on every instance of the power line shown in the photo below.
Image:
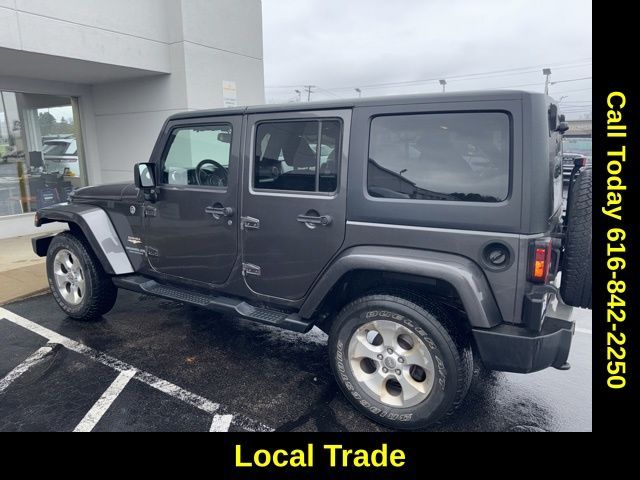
(328, 92)
(454, 78)
(460, 77)
(309, 89)
(503, 72)
(449, 77)
(489, 88)
(586, 107)
(524, 72)
(573, 91)
(572, 80)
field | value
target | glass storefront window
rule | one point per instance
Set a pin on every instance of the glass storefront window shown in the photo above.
(40, 159)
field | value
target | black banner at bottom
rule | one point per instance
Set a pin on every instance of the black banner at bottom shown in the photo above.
(302, 456)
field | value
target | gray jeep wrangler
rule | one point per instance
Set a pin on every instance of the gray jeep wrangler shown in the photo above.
(420, 232)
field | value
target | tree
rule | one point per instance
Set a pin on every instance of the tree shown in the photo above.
(47, 123)
(64, 127)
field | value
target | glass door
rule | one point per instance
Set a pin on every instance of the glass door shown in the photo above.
(41, 159)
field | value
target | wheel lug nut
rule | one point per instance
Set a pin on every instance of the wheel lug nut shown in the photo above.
(385, 370)
(398, 372)
(401, 359)
(390, 351)
(380, 357)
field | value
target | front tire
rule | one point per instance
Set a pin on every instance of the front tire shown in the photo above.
(400, 361)
(77, 280)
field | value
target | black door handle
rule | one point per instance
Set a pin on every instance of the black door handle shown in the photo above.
(324, 220)
(218, 212)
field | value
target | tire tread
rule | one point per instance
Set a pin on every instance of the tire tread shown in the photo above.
(103, 293)
(458, 341)
(576, 286)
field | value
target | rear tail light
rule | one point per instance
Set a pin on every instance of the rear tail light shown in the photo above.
(581, 162)
(539, 260)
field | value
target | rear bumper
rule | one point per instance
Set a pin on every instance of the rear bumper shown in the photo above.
(509, 348)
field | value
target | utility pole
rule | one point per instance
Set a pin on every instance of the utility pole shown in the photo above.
(443, 82)
(309, 89)
(546, 72)
(359, 92)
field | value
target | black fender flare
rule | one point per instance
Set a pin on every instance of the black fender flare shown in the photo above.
(463, 274)
(96, 226)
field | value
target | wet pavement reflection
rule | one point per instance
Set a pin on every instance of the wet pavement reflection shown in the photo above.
(279, 378)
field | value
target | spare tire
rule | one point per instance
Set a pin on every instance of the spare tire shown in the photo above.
(576, 259)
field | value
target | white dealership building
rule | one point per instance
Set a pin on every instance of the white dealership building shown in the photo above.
(85, 86)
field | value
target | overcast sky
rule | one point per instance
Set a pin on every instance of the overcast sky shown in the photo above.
(339, 45)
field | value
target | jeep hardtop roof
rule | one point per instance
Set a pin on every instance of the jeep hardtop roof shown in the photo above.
(480, 95)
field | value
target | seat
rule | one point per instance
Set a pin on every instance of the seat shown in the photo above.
(268, 163)
(329, 174)
(297, 154)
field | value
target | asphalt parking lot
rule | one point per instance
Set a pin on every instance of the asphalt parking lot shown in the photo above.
(155, 365)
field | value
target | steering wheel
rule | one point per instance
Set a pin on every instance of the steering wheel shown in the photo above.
(216, 178)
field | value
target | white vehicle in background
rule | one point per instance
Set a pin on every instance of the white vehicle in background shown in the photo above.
(61, 155)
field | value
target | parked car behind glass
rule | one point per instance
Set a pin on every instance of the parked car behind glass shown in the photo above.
(61, 155)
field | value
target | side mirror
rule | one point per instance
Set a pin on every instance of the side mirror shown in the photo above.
(143, 175)
(145, 179)
(562, 127)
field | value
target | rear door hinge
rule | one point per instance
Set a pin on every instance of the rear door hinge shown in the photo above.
(249, 223)
(251, 269)
(150, 211)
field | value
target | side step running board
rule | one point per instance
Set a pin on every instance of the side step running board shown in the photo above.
(234, 306)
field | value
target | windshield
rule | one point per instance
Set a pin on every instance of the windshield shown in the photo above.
(59, 148)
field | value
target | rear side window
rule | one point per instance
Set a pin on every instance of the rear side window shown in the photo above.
(440, 156)
(297, 156)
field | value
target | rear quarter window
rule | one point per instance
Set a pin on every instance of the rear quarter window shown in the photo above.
(440, 156)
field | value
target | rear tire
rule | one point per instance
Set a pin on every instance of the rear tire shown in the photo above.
(400, 361)
(576, 283)
(77, 280)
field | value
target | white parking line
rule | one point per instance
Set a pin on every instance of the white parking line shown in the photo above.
(584, 330)
(147, 378)
(221, 423)
(94, 415)
(32, 360)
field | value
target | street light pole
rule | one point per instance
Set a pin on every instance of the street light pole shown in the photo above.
(444, 85)
(359, 92)
(546, 72)
(299, 95)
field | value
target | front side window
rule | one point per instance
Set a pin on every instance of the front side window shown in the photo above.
(287, 156)
(198, 156)
(448, 157)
